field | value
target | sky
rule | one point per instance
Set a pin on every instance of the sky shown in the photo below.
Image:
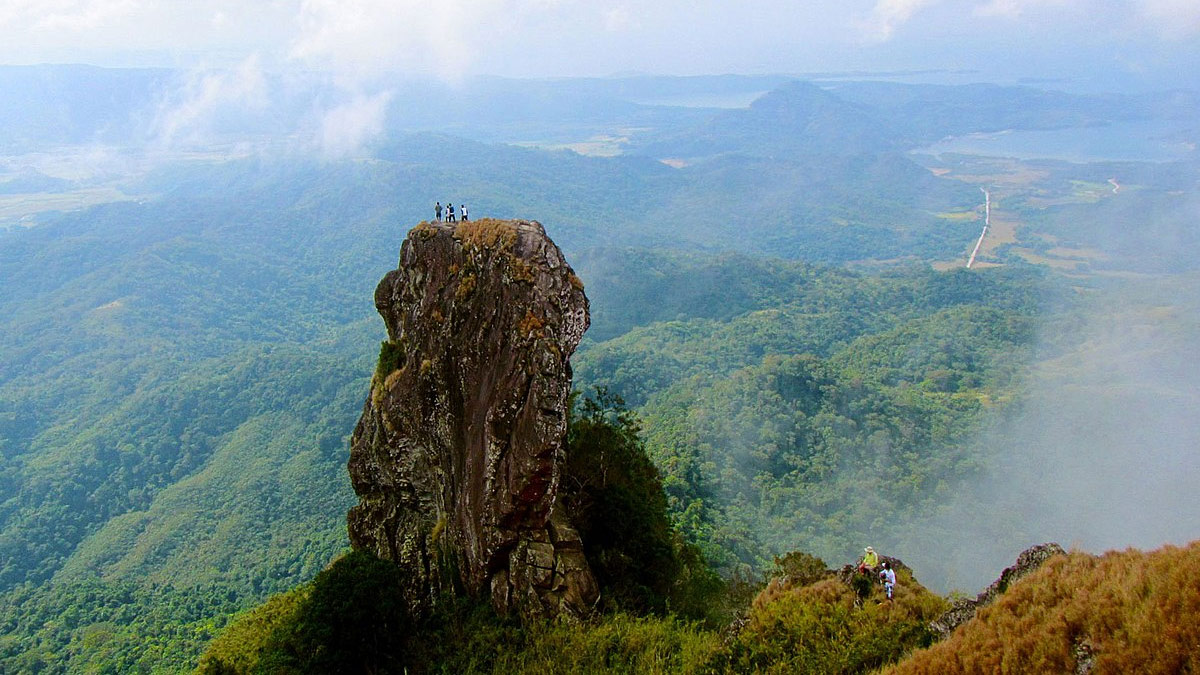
(455, 39)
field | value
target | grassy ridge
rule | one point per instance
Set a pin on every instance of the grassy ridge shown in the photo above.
(1122, 612)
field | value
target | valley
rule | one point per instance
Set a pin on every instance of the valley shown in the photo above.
(777, 295)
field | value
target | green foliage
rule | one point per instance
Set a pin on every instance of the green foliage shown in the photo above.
(809, 638)
(827, 627)
(238, 648)
(617, 504)
(391, 358)
(802, 425)
(109, 626)
(616, 644)
(862, 585)
(615, 497)
(799, 568)
(465, 636)
(347, 623)
(462, 635)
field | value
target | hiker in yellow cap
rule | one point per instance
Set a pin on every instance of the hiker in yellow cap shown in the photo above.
(870, 561)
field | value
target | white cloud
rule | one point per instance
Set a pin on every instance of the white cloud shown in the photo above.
(888, 15)
(206, 93)
(345, 128)
(619, 19)
(1168, 18)
(404, 35)
(362, 39)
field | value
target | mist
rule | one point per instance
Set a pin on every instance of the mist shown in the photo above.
(1100, 452)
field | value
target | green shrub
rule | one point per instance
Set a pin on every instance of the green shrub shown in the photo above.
(238, 648)
(826, 628)
(799, 568)
(614, 494)
(353, 621)
(619, 643)
(391, 358)
(462, 635)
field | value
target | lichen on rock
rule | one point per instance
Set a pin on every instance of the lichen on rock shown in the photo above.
(457, 456)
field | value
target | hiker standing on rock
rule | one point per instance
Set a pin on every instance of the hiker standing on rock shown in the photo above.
(870, 561)
(437, 212)
(888, 577)
(464, 212)
(449, 213)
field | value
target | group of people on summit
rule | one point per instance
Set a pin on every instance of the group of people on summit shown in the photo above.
(871, 566)
(437, 212)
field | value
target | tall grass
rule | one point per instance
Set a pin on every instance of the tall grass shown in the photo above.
(1122, 612)
(824, 627)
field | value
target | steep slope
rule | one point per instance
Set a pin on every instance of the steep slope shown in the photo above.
(1121, 612)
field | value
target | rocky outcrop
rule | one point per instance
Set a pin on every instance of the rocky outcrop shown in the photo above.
(457, 456)
(964, 610)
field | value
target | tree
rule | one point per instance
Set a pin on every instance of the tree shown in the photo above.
(615, 496)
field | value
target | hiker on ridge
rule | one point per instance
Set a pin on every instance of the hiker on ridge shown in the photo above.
(888, 577)
(449, 213)
(437, 212)
(463, 209)
(870, 561)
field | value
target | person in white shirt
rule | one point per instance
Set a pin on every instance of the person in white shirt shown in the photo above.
(888, 577)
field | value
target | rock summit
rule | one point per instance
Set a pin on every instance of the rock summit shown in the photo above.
(457, 456)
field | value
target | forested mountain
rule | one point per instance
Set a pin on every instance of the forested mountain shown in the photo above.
(188, 339)
(845, 400)
(798, 119)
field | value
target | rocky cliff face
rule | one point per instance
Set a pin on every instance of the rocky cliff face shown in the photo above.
(457, 456)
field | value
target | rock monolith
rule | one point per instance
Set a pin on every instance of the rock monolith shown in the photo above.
(457, 456)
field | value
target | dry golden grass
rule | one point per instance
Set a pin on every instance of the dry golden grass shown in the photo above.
(531, 325)
(1127, 611)
(424, 230)
(465, 286)
(488, 233)
(959, 216)
(522, 271)
(392, 379)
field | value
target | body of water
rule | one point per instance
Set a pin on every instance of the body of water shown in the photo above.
(1155, 141)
